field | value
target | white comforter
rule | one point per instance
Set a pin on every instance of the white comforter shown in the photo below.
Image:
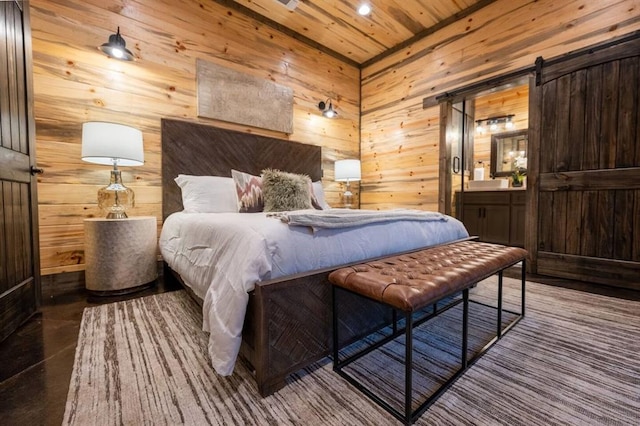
(220, 256)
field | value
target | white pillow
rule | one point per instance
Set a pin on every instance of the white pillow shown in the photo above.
(318, 191)
(208, 194)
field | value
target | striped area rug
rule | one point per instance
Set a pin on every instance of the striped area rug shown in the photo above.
(573, 360)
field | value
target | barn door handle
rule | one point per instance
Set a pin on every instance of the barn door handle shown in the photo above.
(36, 170)
(456, 164)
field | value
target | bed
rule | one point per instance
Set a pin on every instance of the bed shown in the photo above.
(287, 324)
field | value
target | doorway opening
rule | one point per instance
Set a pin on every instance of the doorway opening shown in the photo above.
(484, 149)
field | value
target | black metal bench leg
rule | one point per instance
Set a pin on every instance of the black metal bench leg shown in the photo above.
(499, 330)
(408, 368)
(524, 277)
(334, 294)
(465, 326)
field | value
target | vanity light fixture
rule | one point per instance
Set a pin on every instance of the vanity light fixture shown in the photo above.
(116, 48)
(327, 109)
(494, 123)
(509, 125)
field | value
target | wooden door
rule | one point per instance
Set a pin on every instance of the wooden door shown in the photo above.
(585, 192)
(19, 266)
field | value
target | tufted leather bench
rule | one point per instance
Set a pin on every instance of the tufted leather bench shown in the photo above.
(413, 281)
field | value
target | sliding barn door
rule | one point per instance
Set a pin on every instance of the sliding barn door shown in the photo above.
(19, 266)
(585, 198)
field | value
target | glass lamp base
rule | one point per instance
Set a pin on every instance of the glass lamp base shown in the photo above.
(117, 215)
(348, 196)
(115, 199)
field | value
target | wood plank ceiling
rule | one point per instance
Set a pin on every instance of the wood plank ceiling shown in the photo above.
(336, 24)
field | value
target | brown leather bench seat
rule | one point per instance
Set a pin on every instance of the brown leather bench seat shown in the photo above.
(413, 281)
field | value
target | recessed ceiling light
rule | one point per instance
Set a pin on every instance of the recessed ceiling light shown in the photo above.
(290, 4)
(364, 9)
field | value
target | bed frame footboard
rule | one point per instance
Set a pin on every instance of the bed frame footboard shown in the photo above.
(288, 326)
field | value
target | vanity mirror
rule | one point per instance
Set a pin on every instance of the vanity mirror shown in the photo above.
(508, 152)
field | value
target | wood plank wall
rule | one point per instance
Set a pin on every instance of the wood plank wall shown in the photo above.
(74, 83)
(399, 145)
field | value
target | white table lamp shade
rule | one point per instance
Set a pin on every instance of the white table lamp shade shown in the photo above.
(104, 143)
(347, 170)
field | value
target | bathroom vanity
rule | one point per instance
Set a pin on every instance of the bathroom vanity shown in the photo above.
(494, 216)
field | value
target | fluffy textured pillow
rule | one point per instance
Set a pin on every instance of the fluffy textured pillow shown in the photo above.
(207, 194)
(248, 191)
(285, 191)
(318, 193)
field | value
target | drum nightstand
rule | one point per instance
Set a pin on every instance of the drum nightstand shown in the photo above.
(120, 254)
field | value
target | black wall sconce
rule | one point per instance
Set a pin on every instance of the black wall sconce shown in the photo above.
(327, 109)
(116, 48)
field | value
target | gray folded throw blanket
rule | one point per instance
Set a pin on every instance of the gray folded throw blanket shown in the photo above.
(344, 218)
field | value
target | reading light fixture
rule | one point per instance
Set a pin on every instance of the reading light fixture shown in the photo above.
(117, 145)
(495, 122)
(327, 109)
(116, 48)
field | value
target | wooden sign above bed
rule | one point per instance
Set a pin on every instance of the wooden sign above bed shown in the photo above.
(235, 97)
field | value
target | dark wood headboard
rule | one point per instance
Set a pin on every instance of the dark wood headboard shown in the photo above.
(198, 149)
